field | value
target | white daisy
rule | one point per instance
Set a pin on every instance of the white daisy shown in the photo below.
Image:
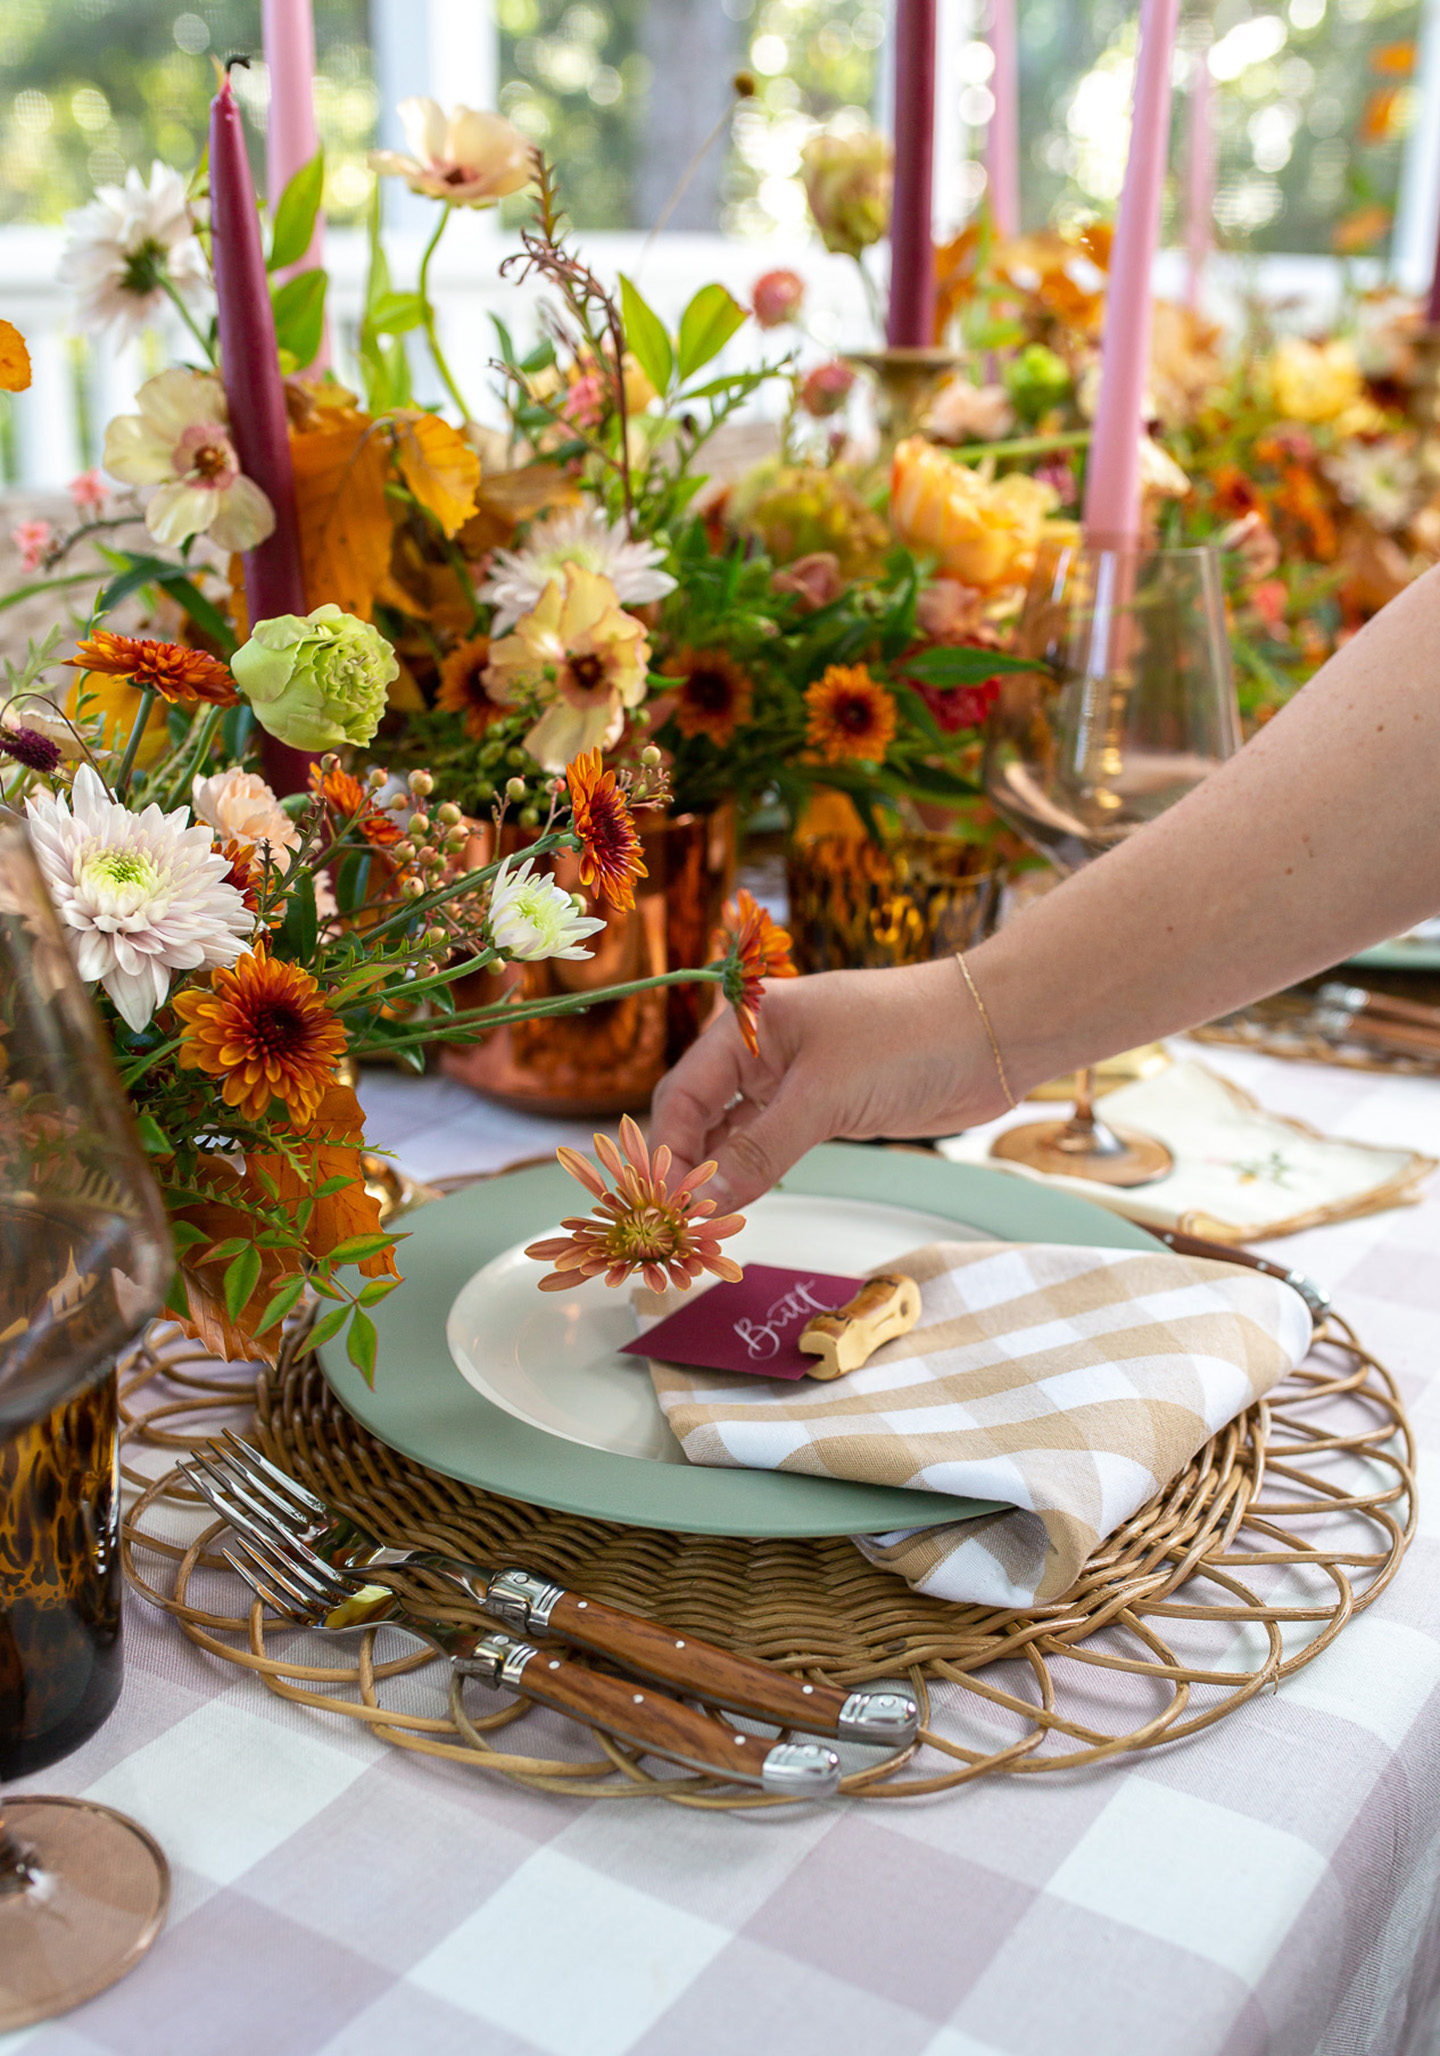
(180, 441)
(142, 894)
(578, 535)
(530, 917)
(124, 244)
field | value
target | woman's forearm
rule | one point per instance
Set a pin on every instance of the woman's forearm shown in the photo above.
(1320, 837)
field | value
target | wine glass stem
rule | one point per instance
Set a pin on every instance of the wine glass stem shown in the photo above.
(17, 1865)
(1083, 1118)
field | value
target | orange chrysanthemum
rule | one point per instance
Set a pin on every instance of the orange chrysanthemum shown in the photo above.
(715, 694)
(609, 847)
(265, 1030)
(462, 686)
(849, 715)
(349, 802)
(754, 949)
(182, 676)
(642, 1226)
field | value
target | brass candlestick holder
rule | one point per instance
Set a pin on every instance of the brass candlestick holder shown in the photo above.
(907, 377)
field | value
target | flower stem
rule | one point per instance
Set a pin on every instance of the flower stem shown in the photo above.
(427, 319)
(127, 762)
(188, 318)
(136, 1071)
(502, 1014)
(1026, 445)
(192, 754)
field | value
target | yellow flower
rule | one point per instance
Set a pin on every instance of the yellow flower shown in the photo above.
(983, 531)
(1322, 383)
(116, 702)
(583, 661)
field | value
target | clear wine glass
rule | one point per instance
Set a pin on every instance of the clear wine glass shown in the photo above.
(85, 1257)
(1135, 705)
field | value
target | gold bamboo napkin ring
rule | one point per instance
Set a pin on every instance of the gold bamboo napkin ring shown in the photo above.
(885, 1306)
(990, 1032)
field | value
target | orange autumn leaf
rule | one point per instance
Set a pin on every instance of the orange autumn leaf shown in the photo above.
(439, 467)
(14, 360)
(506, 498)
(331, 1149)
(340, 469)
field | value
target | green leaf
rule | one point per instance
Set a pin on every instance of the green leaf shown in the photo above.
(223, 1251)
(153, 1139)
(327, 1326)
(300, 315)
(964, 666)
(333, 1185)
(352, 881)
(360, 1346)
(177, 1300)
(185, 1235)
(645, 336)
(706, 327)
(301, 927)
(241, 1278)
(295, 215)
(356, 1248)
(376, 1290)
(282, 1303)
(394, 314)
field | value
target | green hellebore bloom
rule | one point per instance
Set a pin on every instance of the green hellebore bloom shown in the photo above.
(316, 680)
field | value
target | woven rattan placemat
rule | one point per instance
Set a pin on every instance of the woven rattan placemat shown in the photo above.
(1285, 1525)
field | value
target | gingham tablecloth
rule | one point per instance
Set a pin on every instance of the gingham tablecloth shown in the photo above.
(1271, 1888)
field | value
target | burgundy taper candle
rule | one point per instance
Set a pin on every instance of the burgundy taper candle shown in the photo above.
(912, 249)
(255, 393)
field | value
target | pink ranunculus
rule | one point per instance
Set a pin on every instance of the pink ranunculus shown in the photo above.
(814, 581)
(89, 491)
(826, 389)
(32, 539)
(777, 297)
(947, 611)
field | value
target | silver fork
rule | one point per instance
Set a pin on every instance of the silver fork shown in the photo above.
(301, 1586)
(256, 1497)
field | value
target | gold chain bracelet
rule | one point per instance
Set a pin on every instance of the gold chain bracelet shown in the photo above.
(985, 1020)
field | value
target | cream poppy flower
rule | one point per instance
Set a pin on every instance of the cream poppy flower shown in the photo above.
(180, 442)
(581, 659)
(465, 158)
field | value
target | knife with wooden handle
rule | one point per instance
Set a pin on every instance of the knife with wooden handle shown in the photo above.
(1359, 999)
(538, 1608)
(1315, 1296)
(647, 1719)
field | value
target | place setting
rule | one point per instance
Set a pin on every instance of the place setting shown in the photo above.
(717, 1060)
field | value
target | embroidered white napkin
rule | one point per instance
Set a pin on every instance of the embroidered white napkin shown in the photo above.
(1070, 1384)
(1240, 1174)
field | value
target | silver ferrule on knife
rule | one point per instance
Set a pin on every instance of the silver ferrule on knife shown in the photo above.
(497, 1660)
(886, 1720)
(523, 1601)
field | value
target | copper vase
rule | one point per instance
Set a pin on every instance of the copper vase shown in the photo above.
(856, 904)
(609, 1059)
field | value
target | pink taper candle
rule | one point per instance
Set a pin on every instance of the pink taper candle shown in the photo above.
(1002, 143)
(1199, 180)
(912, 248)
(1112, 482)
(288, 27)
(255, 391)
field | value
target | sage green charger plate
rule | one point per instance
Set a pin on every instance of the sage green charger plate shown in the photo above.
(424, 1406)
(1400, 956)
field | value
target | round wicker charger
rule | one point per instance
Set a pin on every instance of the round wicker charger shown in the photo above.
(1285, 1525)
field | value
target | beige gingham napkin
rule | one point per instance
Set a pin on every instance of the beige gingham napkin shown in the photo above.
(1069, 1384)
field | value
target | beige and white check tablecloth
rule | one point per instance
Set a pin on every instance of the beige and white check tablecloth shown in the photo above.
(1271, 1888)
(1071, 1384)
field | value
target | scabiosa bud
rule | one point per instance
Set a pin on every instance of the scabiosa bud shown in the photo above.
(826, 389)
(30, 748)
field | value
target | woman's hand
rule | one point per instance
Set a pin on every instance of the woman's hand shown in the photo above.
(849, 1054)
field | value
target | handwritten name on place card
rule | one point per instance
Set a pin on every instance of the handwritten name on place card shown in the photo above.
(753, 1326)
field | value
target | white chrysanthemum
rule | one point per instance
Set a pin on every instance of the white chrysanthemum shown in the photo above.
(143, 895)
(530, 917)
(240, 804)
(124, 244)
(180, 441)
(578, 535)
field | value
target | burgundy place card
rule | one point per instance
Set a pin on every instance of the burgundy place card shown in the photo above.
(751, 1326)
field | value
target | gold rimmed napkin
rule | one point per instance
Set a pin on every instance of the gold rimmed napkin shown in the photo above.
(1069, 1384)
